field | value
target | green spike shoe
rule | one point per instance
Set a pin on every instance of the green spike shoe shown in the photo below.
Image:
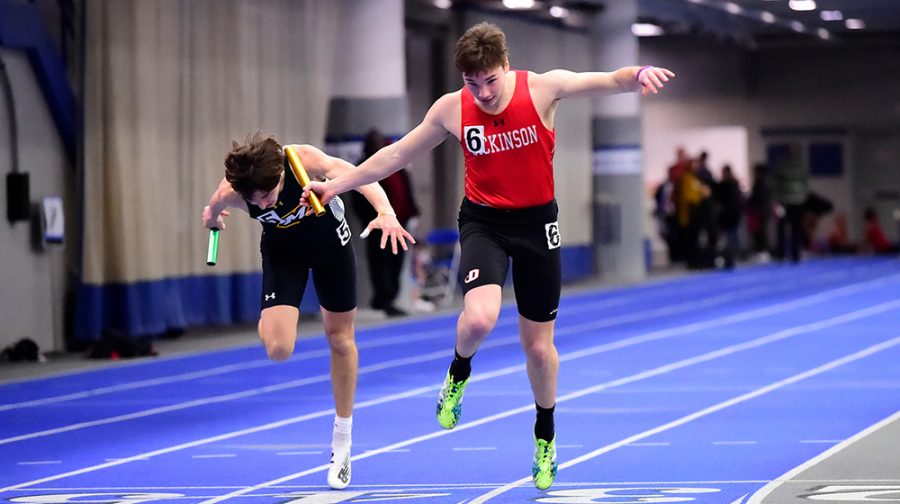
(449, 405)
(544, 466)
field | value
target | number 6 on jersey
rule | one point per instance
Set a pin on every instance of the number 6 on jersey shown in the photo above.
(474, 136)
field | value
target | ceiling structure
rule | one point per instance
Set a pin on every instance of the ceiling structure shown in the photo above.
(749, 23)
(766, 22)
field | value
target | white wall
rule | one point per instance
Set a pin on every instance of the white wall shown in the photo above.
(369, 60)
(31, 283)
(802, 89)
(724, 144)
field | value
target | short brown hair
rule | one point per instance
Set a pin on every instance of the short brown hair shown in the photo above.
(481, 48)
(256, 165)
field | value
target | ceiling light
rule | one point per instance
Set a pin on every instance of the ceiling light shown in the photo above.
(797, 26)
(855, 24)
(646, 30)
(518, 4)
(768, 17)
(696, 1)
(831, 15)
(802, 5)
(733, 8)
(823, 34)
(443, 4)
(559, 12)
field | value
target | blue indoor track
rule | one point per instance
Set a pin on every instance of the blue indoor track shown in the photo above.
(703, 388)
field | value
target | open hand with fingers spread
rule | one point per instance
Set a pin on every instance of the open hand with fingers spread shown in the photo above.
(390, 229)
(652, 78)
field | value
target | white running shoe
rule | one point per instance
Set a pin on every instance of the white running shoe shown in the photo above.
(339, 472)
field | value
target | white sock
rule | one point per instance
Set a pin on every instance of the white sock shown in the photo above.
(340, 436)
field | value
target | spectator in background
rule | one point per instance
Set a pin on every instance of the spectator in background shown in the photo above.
(791, 180)
(759, 209)
(876, 241)
(707, 210)
(384, 266)
(839, 237)
(730, 201)
(689, 194)
(666, 216)
(676, 229)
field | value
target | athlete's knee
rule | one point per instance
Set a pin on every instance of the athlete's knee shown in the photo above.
(478, 322)
(540, 351)
(279, 351)
(279, 347)
(342, 342)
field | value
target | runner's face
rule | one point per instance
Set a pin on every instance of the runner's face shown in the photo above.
(487, 86)
(264, 199)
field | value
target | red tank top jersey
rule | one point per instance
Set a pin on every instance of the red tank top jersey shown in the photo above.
(509, 156)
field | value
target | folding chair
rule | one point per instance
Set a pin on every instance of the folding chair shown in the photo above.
(442, 269)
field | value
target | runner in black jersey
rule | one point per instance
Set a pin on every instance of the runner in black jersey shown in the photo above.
(258, 181)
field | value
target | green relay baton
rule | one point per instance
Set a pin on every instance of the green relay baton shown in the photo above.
(212, 251)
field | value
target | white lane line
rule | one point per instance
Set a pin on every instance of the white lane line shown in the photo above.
(760, 312)
(214, 456)
(220, 370)
(457, 486)
(578, 307)
(763, 492)
(708, 411)
(321, 378)
(780, 335)
(496, 342)
(734, 443)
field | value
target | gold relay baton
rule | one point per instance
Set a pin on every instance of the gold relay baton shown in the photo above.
(303, 178)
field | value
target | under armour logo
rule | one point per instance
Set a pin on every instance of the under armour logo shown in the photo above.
(499, 122)
(270, 297)
(473, 274)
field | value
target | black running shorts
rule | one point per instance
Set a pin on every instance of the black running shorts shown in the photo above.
(286, 271)
(528, 237)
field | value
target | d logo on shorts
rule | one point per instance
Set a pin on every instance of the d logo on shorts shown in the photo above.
(552, 232)
(472, 276)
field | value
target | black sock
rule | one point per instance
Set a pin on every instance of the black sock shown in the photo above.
(543, 425)
(461, 367)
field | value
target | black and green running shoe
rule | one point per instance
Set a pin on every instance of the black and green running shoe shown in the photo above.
(544, 466)
(449, 405)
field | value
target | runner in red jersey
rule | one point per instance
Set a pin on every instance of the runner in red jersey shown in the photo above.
(504, 122)
(515, 137)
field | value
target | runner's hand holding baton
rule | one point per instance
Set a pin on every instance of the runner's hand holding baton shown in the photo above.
(212, 249)
(303, 179)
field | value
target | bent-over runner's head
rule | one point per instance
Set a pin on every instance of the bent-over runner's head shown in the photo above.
(255, 169)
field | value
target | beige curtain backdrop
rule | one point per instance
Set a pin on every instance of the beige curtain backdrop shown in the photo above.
(169, 84)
